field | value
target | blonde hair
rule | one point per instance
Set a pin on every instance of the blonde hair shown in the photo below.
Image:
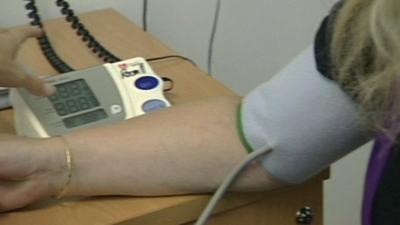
(366, 57)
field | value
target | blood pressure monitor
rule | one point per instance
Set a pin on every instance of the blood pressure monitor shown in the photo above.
(89, 98)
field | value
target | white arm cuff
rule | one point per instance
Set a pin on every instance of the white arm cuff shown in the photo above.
(306, 118)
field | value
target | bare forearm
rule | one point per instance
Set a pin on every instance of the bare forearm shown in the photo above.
(187, 148)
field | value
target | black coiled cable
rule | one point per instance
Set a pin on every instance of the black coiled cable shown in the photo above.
(84, 33)
(76, 24)
(44, 42)
(86, 36)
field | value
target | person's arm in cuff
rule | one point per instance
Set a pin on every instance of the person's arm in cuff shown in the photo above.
(187, 148)
(306, 118)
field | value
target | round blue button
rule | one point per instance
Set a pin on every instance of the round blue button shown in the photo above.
(153, 105)
(146, 83)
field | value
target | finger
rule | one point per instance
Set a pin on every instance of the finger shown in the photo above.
(12, 76)
(7, 193)
(20, 194)
(22, 33)
(37, 86)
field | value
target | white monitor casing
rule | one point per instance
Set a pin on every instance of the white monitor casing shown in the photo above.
(139, 90)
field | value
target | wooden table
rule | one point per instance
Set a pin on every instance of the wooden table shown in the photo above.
(126, 40)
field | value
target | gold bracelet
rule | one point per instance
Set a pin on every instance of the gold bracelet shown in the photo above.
(69, 169)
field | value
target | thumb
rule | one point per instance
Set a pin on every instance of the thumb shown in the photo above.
(20, 34)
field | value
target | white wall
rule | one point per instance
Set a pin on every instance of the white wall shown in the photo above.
(254, 40)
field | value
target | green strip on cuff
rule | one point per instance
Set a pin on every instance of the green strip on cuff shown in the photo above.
(245, 142)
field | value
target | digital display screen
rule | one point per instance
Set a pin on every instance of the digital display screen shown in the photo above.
(84, 118)
(72, 97)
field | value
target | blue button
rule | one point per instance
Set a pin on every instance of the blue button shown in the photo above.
(153, 105)
(146, 83)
